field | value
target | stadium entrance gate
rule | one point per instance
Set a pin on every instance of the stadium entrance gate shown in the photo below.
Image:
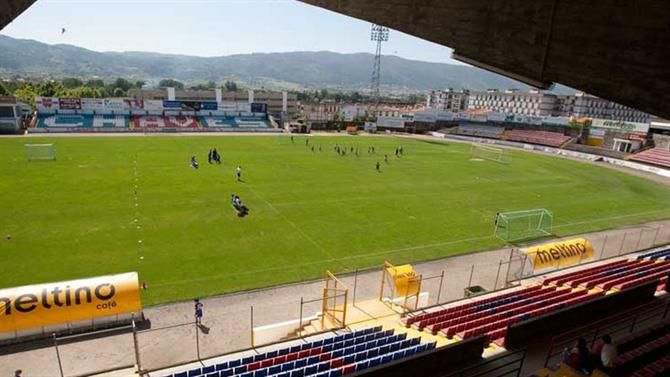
(334, 310)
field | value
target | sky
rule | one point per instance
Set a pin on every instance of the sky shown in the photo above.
(209, 28)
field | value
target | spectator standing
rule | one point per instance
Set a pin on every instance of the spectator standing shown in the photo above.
(197, 307)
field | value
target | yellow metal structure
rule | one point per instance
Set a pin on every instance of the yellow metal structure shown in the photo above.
(333, 309)
(403, 282)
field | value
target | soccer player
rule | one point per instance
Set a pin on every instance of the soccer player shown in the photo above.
(238, 172)
(216, 156)
(194, 162)
(378, 167)
(386, 158)
(209, 156)
(197, 307)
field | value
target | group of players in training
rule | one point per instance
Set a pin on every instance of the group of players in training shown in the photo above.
(342, 151)
(213, 157)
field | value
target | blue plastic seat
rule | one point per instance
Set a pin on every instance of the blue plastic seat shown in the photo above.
(349, 359)
(328, 341)
(306, 346)
(387, 358)
(323, 366)
(260, 357)
(298, 373)
(312, 360)
(300, 363)
(275, 369)
(181, 374)
(374, 362)
(335, 373)
(247, 360)
(362, 365)
(213, 374)
(221, 366)
(227, 372)
(360, 356)
(234, 363)
(287, 366)
(261, 373)
(272, 354)
(241, 369)
(317, 343)
(309, 370)
(327, 348)
(208, 369)
(297, 348)
(398, 355)
(194, 372)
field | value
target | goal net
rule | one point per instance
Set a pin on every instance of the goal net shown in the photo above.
(523, 225)
(40, 152)
(487, 152)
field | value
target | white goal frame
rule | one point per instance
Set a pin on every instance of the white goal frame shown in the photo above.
(486, 152)
(44, 152)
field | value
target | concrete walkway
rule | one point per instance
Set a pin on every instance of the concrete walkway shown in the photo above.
(172, 336)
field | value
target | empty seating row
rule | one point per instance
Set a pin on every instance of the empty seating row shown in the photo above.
(658, 368)
(452, 319)
(562, 279)
(603, 279)
(656, 255)
(493, 132)
(234, 122)
(655, 156)
(470, 306)
(333, 356)
(642, 355)
(78, 121)
(553, 139)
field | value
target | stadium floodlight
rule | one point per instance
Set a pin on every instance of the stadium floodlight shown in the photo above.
(40, 152)
(523, 225)
(379, 33)
(486, 152)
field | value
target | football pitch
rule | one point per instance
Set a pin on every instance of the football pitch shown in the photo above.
(118, 204)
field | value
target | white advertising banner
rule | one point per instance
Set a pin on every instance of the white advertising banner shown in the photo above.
(153, 105)
(390, 122)
(46, 104)
(620, 125)
(115, 104)
(92, 104)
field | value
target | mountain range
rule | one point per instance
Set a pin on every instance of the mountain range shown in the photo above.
(286, 70)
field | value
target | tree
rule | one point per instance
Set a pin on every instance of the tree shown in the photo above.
(170, 83)
(26, 94)
(71, 82)
(139, 84)
(230, 86)
(118, 92)
(3, 90)
(123, 84)
(48, 89)
(95, 83)
(324, 94)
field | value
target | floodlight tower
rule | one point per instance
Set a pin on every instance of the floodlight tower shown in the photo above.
(378, 34)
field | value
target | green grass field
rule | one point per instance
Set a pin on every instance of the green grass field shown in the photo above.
(310, 211)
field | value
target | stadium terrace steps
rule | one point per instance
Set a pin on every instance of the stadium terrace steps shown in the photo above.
(654, 156)
(493, 132)
(552, 139)
(641, 350)
(492, 315)
(329, 357)
(73, 122)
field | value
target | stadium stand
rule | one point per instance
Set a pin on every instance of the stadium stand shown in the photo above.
(75, 122)
(552, 139)
(234, 122)
(181, 121)
(333, 356)
(663, 254)
(147, 122)
(654, 156)
(493, 132)
(492, 315)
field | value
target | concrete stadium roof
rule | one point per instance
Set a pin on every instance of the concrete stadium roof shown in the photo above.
(619, 50)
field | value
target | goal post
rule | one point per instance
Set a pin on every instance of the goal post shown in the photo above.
(40, 152)
(523, 225)
(480, 151)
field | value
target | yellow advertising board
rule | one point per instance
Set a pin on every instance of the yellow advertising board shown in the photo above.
(562, 254)
(34, 306)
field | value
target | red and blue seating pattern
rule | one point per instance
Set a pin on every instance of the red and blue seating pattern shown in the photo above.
(654, 156)
(553, 139)
(329, 357)
(663, 254)
(492, 315)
